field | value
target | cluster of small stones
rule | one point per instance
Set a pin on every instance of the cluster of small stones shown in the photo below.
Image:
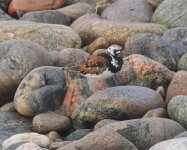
(44, 106)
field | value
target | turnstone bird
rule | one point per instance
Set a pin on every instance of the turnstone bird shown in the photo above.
(103, 65)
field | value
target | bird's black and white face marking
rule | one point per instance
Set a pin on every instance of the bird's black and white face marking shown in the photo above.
(114, 50)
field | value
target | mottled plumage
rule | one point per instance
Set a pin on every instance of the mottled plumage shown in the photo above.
(103, 65)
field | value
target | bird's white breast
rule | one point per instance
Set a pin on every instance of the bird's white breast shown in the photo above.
(114, 62)
(103, 75)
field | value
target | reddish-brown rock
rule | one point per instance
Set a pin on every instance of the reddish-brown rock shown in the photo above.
(48, 122)
(177, 86)
(142, 71)
(99, 43)
(154, 3)
(80, 88)
(54, 136)
(18, 8)
(159, 112)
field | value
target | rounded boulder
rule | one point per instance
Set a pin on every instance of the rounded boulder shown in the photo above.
(42, 90)
(100, 141)
(177, 86)
(174, 12)
(90, 26)
(151, 46)
(18, 58)
(128, 10)
(142, 71)
(145, 132)
(50, 36)
(47, 122)
(71, 56)
(177, 109)
(120, 102)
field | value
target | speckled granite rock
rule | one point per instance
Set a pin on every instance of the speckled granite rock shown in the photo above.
(177, 86)
(18, 58)
(47, 16)
(89, 27)
(120, 103)
(176, 37)
(142, 71)
(100, 141)
(46, 122)
(177, 109)
(171, 13)
(51, 37)
(152, 46)
(153, 130)
(42, 90)
(12, 123)
(128, 10)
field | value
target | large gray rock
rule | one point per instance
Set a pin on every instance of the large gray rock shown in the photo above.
(128, 10)
(51, 37)
(18, 58)
(152, 46)
(146, 132)
(120, 102)
(42, 90)
(171, 13)
(13, 123)
(177, 38)
(177, 109)
(47, 16)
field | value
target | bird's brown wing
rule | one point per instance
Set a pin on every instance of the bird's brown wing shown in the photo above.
(93, 65)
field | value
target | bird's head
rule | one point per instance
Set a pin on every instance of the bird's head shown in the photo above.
(114, 50)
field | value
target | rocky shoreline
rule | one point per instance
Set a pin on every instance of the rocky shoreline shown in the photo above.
(45, 106)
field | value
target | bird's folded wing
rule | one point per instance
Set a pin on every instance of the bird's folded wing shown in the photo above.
(93, 65)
